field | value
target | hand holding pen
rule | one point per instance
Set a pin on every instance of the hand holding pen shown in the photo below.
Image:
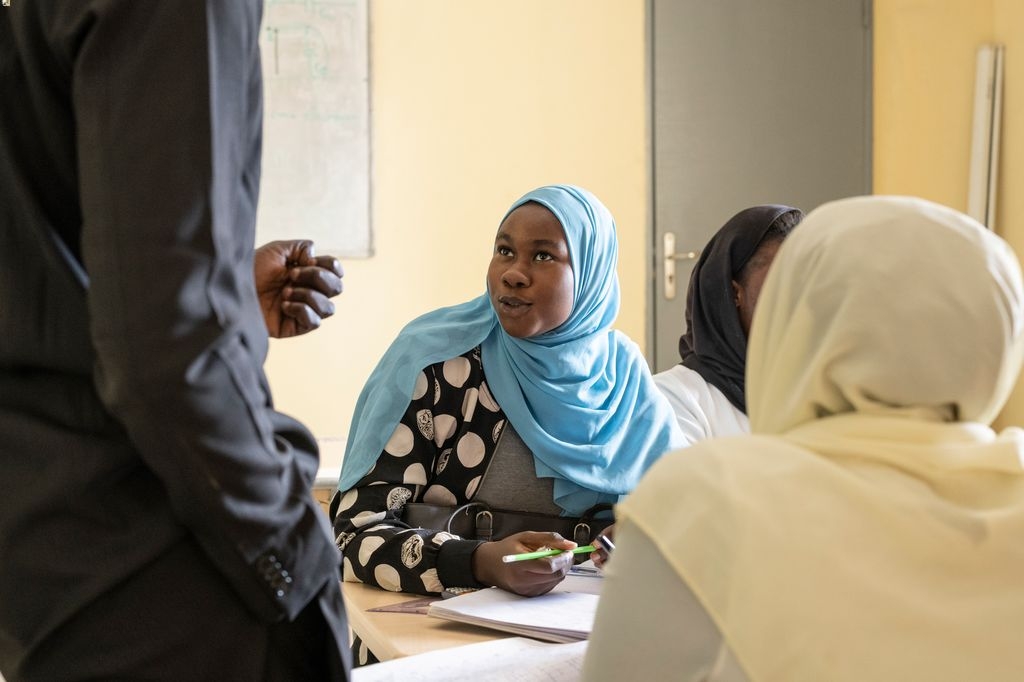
(604, 547)
(530, 576)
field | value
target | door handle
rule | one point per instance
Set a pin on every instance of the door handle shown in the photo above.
(669, 243)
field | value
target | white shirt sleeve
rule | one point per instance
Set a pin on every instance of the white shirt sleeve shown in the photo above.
(702, 410)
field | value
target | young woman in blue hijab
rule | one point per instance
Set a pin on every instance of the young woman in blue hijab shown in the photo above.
(522, 403)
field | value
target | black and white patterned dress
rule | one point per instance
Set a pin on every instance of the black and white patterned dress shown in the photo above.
(438, 453)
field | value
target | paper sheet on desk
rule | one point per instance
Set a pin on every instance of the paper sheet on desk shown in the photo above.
(513, 659)
(583, 577)
(554, 617)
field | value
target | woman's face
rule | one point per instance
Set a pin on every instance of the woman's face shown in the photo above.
(530, 279)
(747, 291)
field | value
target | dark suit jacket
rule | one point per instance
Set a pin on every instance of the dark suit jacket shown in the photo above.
(136, 424)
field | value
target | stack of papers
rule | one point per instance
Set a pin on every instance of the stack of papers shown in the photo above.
(554, 617)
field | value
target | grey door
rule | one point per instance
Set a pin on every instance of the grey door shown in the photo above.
(754, 101)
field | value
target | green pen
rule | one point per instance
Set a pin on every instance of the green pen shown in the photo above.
(540, 554)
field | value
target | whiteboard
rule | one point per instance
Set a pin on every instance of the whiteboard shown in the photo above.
(316, 129)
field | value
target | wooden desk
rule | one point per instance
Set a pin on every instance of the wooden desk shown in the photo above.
(394, 635)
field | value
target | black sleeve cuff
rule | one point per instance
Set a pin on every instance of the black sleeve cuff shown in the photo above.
(455, 563)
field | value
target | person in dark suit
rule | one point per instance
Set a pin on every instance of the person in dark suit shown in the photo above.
(155, 514)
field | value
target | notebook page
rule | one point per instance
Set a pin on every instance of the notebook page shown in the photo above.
(513, 659)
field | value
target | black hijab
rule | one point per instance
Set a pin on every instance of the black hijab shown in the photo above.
(714, 344)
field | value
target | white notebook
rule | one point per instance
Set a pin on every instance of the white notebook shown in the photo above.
(555, 617)
(513, 659)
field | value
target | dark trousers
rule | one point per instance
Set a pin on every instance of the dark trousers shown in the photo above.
(178, 619)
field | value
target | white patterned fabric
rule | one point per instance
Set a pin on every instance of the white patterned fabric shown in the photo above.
(438, 453)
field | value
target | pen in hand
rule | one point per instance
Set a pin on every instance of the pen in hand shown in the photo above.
(542, 553)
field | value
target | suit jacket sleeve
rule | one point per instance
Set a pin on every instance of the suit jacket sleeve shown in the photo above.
(167, 104)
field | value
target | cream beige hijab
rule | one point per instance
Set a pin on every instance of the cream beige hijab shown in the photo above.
(873, 527)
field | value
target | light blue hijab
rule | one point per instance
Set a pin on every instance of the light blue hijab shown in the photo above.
(580, 396)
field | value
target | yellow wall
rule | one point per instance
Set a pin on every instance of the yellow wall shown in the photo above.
(924, 89)
(473, 104)
(924, 93)
(1008, 29)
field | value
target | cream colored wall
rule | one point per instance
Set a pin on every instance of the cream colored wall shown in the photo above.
(1008, 29)
(924, 93)
(924, 88)
(473, 104)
